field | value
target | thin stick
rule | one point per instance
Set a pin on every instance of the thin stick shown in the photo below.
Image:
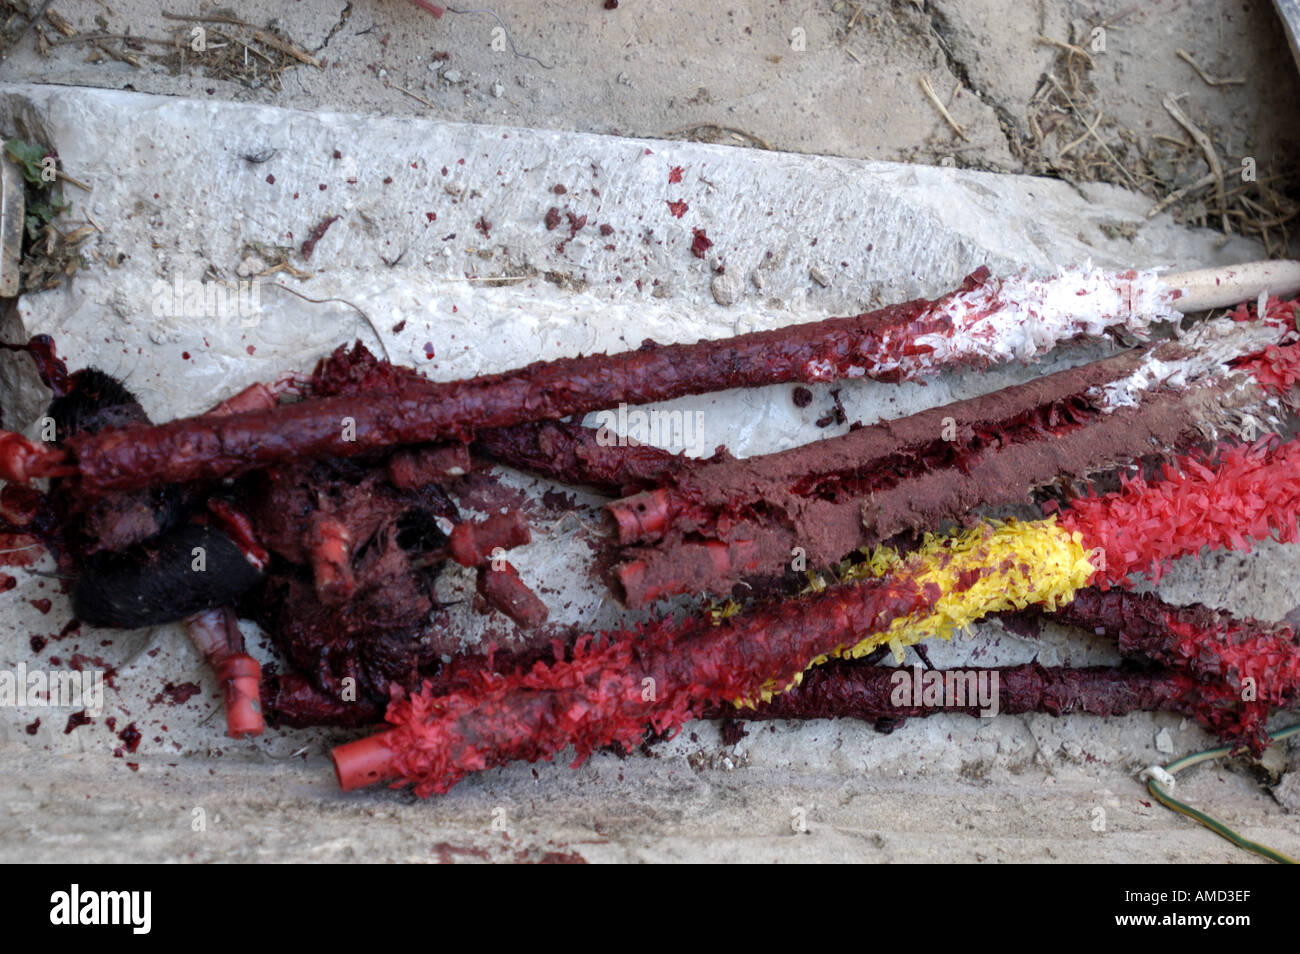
(262, 36)
(695, 127)
(1207, 148)
(509, 39)
(95, 37)
(1079, 116)
(1209, 80)
(285, 47)
(1207, 288)
(1173, 197)
(321, 301)
(1088, 131)
(247, 48)
(212, 18)
(72, 180)
(928, 90)
(1070, 48)
(403, 89)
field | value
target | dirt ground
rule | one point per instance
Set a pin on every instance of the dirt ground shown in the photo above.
(1026, 88)
(833, 77)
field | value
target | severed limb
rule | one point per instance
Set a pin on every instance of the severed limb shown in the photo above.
(215, 633)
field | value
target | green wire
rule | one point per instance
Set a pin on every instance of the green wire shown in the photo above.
(1211, 823)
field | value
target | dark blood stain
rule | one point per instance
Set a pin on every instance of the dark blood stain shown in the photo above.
(185, 356)
(607, 229)
(177, 694)
(38, 643)
(570, 857)
(802, 396)
(42, 604)
(444, 170)
(111, 722)
(552, 218)
(26, 549)
(701, 243)
(270, 180)
(484, 226)
(576, 222)
(447, 852)
(337, 154)
(837, 414)
(71, 626)
(33, 727)
(19, 505)
(388, 180)
(558, 189)
(609, 5)
(7, 582)
(431, 216)
(133, 766)
(76, 720)
(733, 730)
(130, 737)
(323, 187)
(399, 327)
(428, 350)
(251, 349)
(318, 233)
(1028, 625)
(677, 208)
(674, 175)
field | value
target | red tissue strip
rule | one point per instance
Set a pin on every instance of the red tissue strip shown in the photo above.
(613, 686)
(1239, 494)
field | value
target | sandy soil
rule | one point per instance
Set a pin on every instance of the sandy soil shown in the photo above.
(833, 78)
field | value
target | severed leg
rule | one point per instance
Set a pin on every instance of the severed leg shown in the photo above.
(215, 633)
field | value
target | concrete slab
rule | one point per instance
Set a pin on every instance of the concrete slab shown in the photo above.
(476, 274)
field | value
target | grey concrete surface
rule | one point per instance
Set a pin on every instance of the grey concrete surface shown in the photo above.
(174, 198)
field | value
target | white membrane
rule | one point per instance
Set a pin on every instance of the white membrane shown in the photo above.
(1203, 356)
(1020, 319)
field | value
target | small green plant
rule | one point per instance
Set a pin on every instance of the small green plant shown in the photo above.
(49, 257)
(38, 170)
(40, 214)
(31, 158)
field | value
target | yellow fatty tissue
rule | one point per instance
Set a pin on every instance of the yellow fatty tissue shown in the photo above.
(990, 568)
